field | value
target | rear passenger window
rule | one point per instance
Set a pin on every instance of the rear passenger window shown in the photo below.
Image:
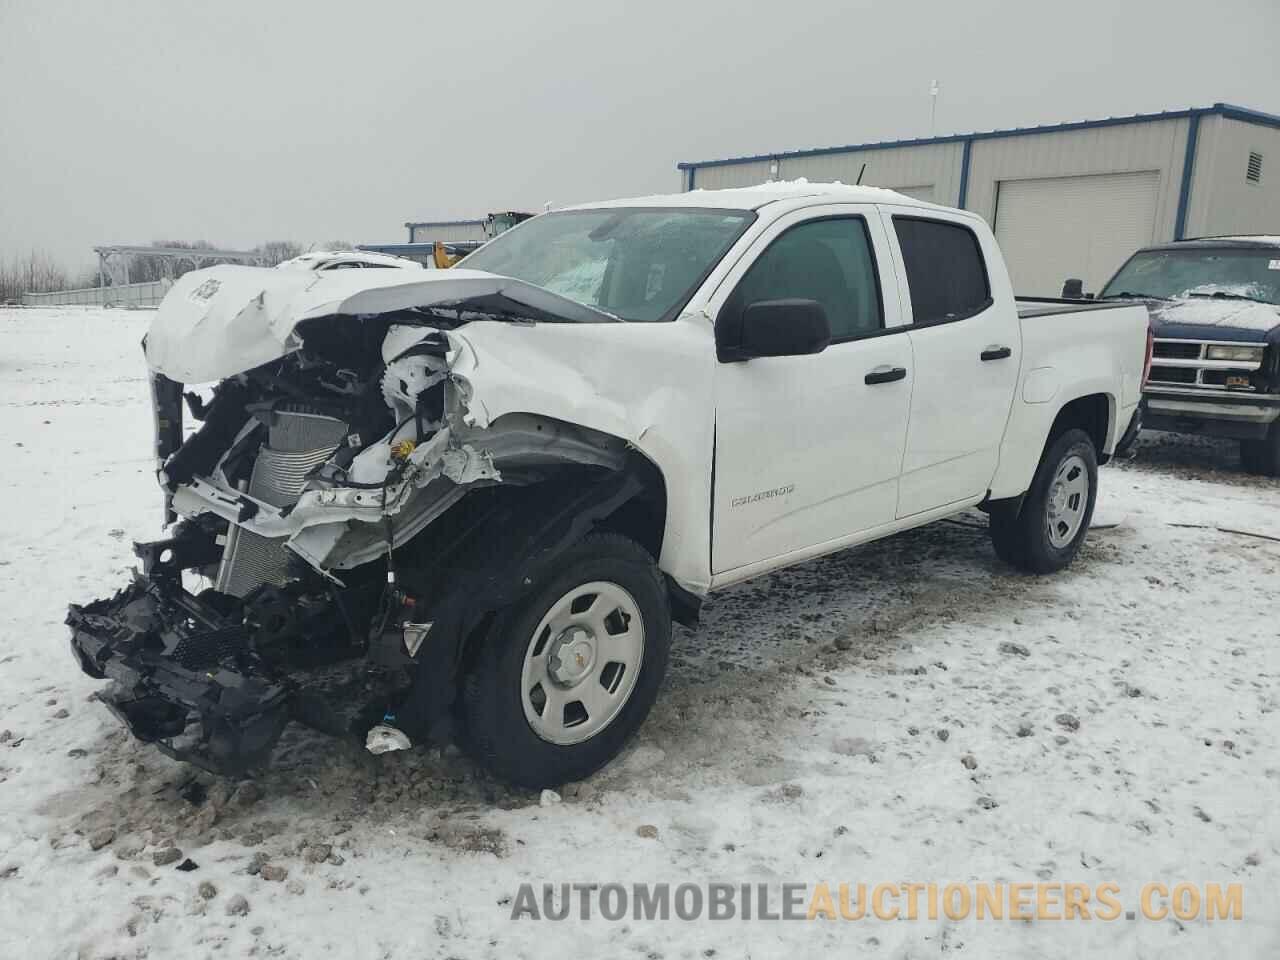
(830, 261)
(945, 270)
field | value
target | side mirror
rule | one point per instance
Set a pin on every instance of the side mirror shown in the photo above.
(1072, 289)
(772, 328)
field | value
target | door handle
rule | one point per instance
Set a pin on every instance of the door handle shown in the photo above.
(886, 374)
(996, 353)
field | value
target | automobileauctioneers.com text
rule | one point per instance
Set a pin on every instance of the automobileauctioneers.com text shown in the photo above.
(882, 901)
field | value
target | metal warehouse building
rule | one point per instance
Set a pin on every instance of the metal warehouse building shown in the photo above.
(1069, 199)
(450, 230)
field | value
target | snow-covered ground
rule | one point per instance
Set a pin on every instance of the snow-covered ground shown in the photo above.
(897, 713)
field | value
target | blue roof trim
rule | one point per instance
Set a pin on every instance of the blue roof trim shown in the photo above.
(444, 223)
(401, 249)
(1244, 114)
(1227, 110)
(396, 247)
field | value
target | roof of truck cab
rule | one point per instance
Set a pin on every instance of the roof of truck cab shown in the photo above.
(753, 198)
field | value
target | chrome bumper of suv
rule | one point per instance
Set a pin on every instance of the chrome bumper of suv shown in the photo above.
(1235, 416)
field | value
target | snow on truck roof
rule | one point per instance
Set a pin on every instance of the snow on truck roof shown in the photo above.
(753, 198)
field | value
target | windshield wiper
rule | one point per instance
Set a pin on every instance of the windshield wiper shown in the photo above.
(1126, 295)
(1224, 295)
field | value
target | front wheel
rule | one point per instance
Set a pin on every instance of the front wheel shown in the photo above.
(1046, 533)
(560, 681)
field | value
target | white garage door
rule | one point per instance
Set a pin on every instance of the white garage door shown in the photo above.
(1073, 227)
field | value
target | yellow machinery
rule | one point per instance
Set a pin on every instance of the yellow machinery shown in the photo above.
(445, 255)
(441, 257)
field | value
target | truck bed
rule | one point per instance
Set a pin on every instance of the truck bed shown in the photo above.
(1049, 306)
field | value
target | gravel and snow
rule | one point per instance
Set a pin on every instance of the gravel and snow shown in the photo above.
(909, 711)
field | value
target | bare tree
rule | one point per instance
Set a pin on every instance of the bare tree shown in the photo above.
(278, 251)
(34, 272)
(38, 272)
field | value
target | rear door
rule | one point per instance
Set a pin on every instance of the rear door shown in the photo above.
(808, 448)
(966, 348)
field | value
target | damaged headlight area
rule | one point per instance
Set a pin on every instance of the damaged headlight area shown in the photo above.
(318, 513)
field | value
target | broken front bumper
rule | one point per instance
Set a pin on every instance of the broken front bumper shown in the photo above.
(184, 677)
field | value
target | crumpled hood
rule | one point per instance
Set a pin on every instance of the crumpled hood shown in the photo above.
(224, 320)
(1202, 318)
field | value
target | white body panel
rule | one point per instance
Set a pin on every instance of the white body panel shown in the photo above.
(655, 392)
(1066, 357)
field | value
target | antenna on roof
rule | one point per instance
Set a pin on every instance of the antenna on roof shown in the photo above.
(858, 183)
(934, 87)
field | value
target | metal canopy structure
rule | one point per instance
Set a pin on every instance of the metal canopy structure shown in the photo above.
(199, 257)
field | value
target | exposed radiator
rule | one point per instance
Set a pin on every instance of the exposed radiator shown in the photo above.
(297, 443)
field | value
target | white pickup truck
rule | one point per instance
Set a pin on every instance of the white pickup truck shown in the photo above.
(495, 487)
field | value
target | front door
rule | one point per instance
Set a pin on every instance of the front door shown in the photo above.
(808, 449)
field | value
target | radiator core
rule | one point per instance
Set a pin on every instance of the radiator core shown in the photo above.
(297, 443)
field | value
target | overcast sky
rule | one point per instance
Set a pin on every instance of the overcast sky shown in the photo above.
(238, 122)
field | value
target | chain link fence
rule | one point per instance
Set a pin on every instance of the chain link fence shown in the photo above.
(145, 295)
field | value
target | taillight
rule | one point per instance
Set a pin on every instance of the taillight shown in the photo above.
(1151, 346)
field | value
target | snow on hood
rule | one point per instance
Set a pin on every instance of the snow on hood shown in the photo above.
(221, 321)
(1206, 312)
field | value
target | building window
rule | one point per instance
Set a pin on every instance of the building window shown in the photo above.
(1254, 171)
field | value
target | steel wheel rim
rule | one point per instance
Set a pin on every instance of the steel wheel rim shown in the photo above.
(582, 662)
(1068, 500)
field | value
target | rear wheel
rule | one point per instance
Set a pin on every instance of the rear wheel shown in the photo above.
(1045, 534)
(561, 681)
(1263, 456)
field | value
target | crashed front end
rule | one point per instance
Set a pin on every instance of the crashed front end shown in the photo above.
(183, 676)
(337, 433)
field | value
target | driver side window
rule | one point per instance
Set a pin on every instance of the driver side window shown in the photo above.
(829, 260)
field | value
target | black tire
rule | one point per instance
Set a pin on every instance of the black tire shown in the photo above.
(1021, 537)
(497, 733)
(1262, 456)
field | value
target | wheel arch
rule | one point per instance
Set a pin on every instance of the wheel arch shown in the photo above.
(490, 548)
(1095, 414)
(1034, 427)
